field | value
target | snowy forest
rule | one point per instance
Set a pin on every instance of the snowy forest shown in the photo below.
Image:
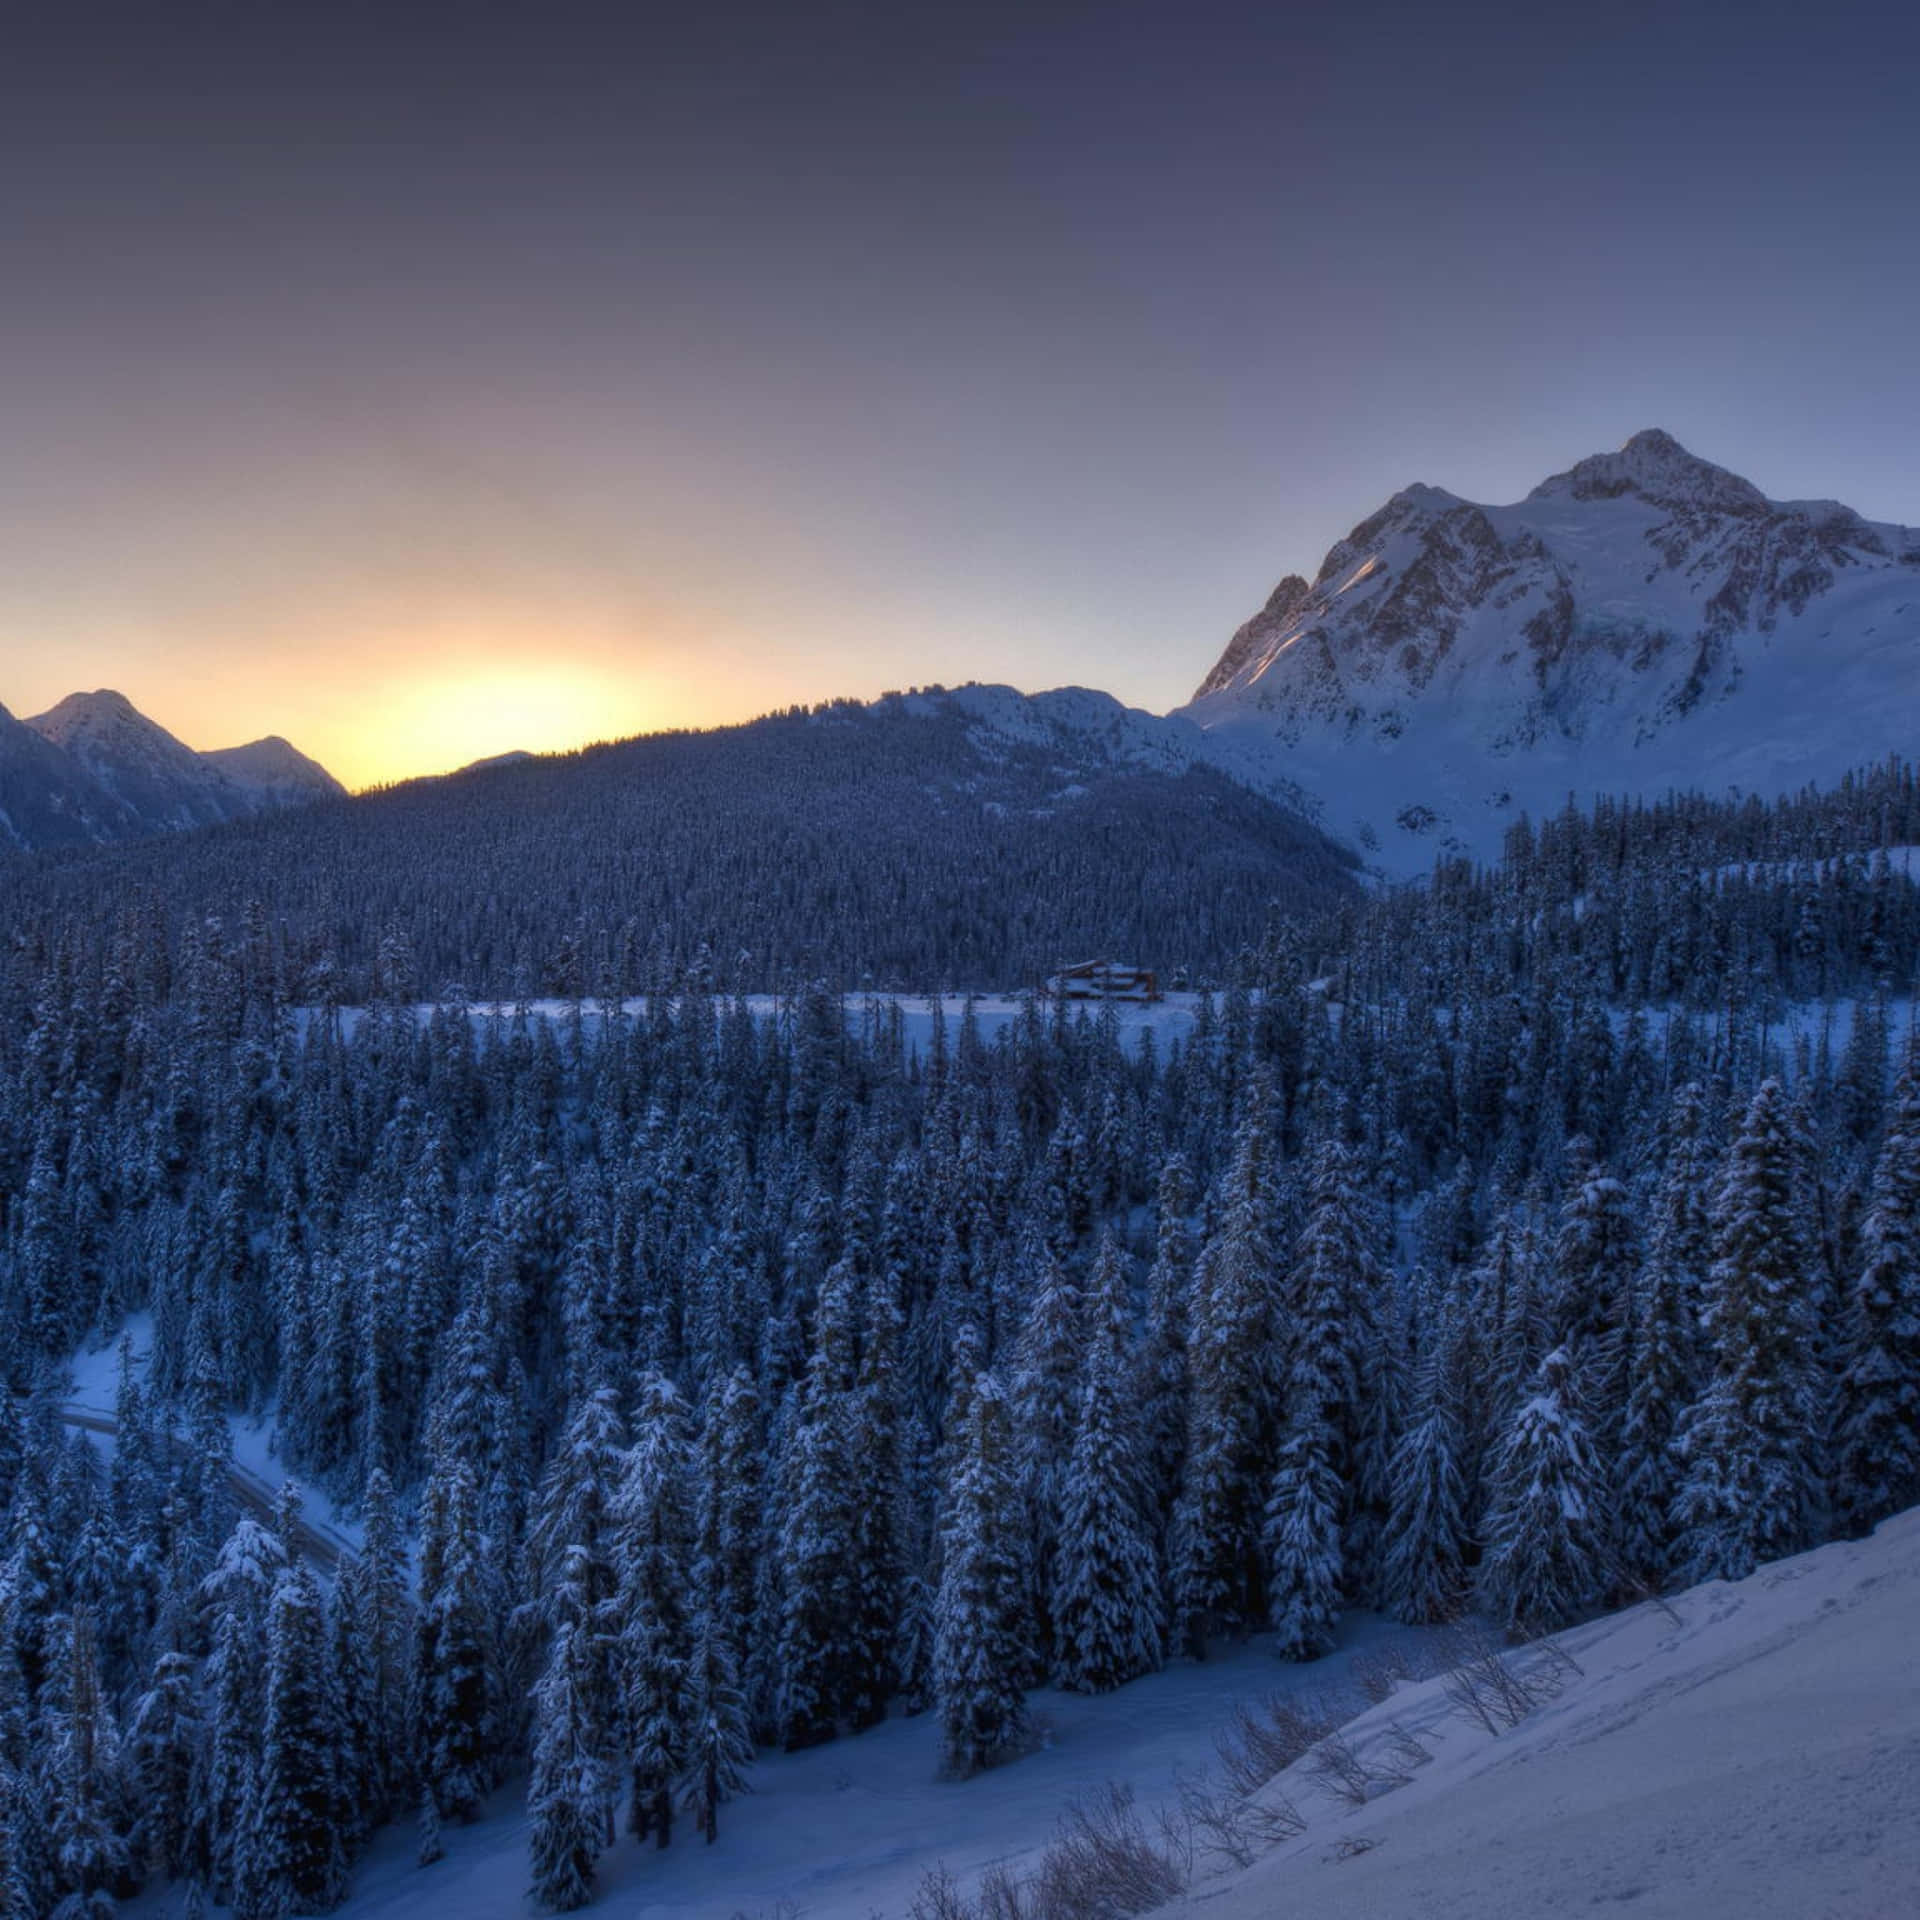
(705, 1381)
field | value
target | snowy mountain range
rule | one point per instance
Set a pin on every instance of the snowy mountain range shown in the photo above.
(1646, 620)
(95, 769)
(1642, 622)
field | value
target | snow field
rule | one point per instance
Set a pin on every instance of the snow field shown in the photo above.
(1747, 1751)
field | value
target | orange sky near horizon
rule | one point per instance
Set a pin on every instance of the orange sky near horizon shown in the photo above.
(377, 702)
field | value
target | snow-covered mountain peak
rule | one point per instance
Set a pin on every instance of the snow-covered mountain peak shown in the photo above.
(101, 716)
(95, 768)
(1642, 621)
(274, 772)
(1654, 465)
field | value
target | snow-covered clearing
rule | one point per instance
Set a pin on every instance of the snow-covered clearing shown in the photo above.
(1170, 1018)
(1753, 1753)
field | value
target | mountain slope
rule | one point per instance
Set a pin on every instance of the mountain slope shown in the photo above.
(274, 773)
(47, 799)
(1644, 620)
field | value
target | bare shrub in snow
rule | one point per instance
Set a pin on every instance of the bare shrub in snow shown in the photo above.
(1338, 1770)
(1102, 1865)
(1262, 1741)
(1001, 1896)
(1379, 1670)
(939, 1898)
(1488, 1687)
(1218, 1822)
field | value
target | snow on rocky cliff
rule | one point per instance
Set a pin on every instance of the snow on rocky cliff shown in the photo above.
(1644, 621)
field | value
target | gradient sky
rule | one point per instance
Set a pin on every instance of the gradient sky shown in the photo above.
(420, 382)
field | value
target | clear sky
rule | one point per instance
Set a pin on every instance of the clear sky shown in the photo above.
(420, 382)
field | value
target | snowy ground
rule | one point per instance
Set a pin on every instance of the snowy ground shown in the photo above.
(1754, 1755)
(847, 1831)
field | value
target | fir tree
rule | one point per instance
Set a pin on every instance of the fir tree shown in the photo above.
(1746, 1493)
(570, 1791)
(1106, 1584)
(719, 1746)
(980, 1649)
(293, 1858)
(1304, 1566)
(1878, 1426)
(1215, 1558)
(1426, 1546)
(1546, 1526)
(655, 1524)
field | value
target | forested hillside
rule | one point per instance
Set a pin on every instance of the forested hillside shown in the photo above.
(909, 844)
(1532, 1239)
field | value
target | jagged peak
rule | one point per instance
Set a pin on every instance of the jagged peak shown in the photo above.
(1287, 596)
(1654, 465)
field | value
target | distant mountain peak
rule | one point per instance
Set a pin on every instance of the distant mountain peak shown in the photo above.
(99, 769)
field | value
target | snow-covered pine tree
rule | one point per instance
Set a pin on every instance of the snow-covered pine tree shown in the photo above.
(238, 1592)
(570, 1789)
(719, 1745)
(292, 1858)
(1333, 1321)
(1215, 1560)
(1746, 1492)
(1596, 1255)
(980, 1647)
(1660, 1382)
(1045, 1394)
(384, 1626)
(83, 1768)
(815, 1567)
(1302, 1538)
(1547, 1530)
(457, 1695)
(163, 1757)
(1877, 1439)
(1426, 1544)
(874, 1458)
(1161, 1373)
(1106, 1580)
(655, 1522)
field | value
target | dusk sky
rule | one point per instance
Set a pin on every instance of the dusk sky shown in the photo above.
(420, 382)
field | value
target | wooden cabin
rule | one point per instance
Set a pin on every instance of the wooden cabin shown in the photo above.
(1105, 980)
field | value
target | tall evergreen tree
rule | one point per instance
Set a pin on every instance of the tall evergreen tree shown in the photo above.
(1106, 1581)
(1546, 1525)
(980, 1648)
(1426, 1546)
(292, 1858)
(1746, 1491)
(1878, 1426)
(1215, 1558)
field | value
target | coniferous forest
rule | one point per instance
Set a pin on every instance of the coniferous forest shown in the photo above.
(707, 1376)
